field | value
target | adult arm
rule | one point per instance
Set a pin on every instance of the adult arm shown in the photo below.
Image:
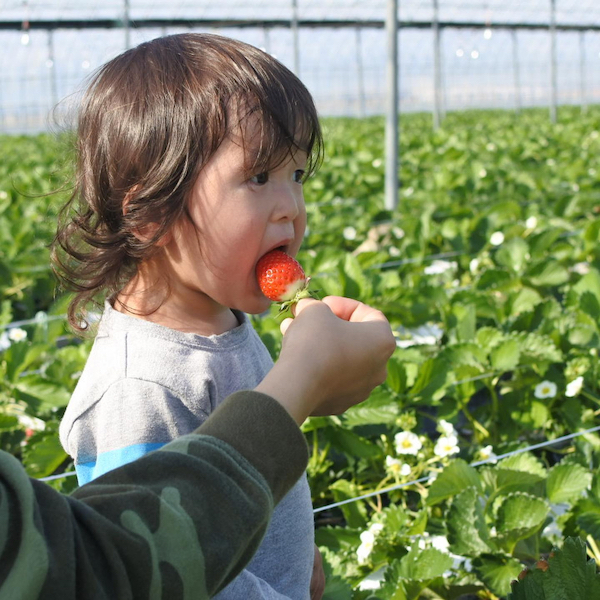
(187, 517)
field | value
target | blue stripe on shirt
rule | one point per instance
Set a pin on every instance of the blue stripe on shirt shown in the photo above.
(107, 461)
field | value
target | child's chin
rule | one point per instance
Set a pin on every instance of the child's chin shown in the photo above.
(257, 307)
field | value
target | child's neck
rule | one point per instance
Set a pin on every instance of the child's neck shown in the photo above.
(189, 312)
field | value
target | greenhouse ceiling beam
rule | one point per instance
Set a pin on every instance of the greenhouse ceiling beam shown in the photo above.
(270, 23)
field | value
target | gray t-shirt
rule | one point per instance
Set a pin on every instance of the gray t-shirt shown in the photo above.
(144, 385)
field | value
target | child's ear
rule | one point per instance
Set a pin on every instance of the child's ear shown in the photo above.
(148, 231)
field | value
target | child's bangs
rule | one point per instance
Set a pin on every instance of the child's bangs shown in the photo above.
(275, 130)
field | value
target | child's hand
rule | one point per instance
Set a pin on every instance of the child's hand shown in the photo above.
(333, 354)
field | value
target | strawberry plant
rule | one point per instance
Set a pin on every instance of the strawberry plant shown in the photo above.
(489, 272)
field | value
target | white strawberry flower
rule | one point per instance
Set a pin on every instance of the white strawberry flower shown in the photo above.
(474, 265)
(496, 238)
(546, 389)
(446, 428)
(17, 334)
(349, 233)
(407, 442)
(3, 195)
(531, 223)
(446, 445)
(367, 542)
(487, 453)
(581, 268)
(5, 342)
(574, 387)
(397, 467)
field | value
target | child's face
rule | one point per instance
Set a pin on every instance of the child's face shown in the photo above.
(235, 221)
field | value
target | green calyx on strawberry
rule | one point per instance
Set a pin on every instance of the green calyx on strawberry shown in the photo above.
(281, 279)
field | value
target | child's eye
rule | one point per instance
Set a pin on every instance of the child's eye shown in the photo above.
(260, 178)
(299, 176)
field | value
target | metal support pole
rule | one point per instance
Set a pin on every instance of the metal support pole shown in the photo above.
(582, 71)
(52, 68)
(392, 164)
(516, 70)
(553, 61)
(126, 24)
(267, 39)
(295, 37)
(437, 70)
(360, 75)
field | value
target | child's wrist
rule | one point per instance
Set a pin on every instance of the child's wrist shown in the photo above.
(292, 389)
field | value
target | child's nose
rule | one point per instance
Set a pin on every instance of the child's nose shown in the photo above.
(288, 205)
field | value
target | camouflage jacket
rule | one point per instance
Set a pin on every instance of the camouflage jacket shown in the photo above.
(178, 523)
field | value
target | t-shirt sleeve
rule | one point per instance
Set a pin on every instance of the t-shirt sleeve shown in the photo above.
(133, 417)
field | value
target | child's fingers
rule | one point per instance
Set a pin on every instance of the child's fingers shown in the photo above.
(353, 310)
(285, 324)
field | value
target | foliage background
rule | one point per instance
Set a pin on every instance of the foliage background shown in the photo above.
(489, 274)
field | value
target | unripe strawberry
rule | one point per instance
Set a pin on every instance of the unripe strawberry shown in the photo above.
(281, 278)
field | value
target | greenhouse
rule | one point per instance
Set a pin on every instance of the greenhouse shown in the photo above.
(455, 193)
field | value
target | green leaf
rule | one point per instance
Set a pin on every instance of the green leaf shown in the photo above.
(589, 521)
(590, 282)
(43, 457)
(505, 357)
(351, 443)
(548, 272)
(434, 375)
(396, 377)
(493, 279)
(519, 516)
(457, 476)
(525, 461)
(356, 284)
(379, 409)
(566, 482)
(465, 521)
(8, 422)
(497, 572)
(489, 337)
(336, 588)
(590, 305)
(525, 300)
(424, 564)
(513, 253)
(463, 321)
(354, 512)
(569, 576)
(41, 394)
(504, 481)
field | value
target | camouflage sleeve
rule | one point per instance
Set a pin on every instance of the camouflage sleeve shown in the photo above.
(177, 523)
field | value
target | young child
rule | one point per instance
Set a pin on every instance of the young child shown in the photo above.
(192, 151)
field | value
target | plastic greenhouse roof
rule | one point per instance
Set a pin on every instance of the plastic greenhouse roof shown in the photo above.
(488, 12)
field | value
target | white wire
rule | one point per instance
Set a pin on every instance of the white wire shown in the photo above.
(474, 464)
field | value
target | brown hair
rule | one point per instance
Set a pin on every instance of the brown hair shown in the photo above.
(149, 121)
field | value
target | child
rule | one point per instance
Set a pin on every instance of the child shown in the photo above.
(192, 151)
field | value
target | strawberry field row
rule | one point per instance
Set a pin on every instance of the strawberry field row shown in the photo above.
(489, 274)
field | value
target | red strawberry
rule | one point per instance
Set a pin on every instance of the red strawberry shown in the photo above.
(281, 278)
